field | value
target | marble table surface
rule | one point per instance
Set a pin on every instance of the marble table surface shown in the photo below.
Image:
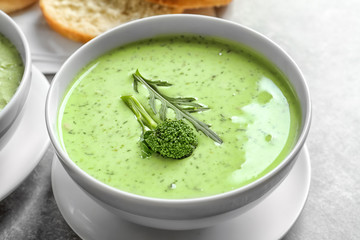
(323, 37)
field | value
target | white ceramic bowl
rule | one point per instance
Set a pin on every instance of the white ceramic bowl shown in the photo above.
(182, 213)
(11, 111)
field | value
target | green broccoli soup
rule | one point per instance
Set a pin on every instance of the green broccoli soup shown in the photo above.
(241, 113)
(11, 70)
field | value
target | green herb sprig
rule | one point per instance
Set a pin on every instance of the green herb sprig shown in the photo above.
(181, 106)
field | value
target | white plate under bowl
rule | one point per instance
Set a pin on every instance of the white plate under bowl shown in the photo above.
(29, 139)
(270, 219)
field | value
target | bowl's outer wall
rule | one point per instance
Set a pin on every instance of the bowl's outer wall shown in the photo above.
(186, 222)
(175, 209)
(9, 113)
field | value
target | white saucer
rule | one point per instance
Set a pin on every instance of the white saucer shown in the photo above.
(270, 219)
(29, 139)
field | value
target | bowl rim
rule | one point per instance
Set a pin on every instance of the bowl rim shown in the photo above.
(26, 61)
(170, 202)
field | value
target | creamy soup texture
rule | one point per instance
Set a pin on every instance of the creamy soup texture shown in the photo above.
(253, 109)
(11, 70)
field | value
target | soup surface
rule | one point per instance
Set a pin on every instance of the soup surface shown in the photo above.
(11, 70)
(253, 109)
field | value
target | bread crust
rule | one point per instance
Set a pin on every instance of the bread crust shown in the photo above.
(10, 6)
(210, 11)
(83, 20)
(191, 3)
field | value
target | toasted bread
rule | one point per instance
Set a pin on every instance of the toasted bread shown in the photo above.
(83, 20)
(191, 3)
(10, 6)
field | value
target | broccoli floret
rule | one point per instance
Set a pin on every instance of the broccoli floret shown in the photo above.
(170, 138)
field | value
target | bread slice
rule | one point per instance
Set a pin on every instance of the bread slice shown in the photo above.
(83, 20)
(10, 6)
(191, 3)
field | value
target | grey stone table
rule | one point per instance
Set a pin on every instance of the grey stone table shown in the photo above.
(323, 37)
